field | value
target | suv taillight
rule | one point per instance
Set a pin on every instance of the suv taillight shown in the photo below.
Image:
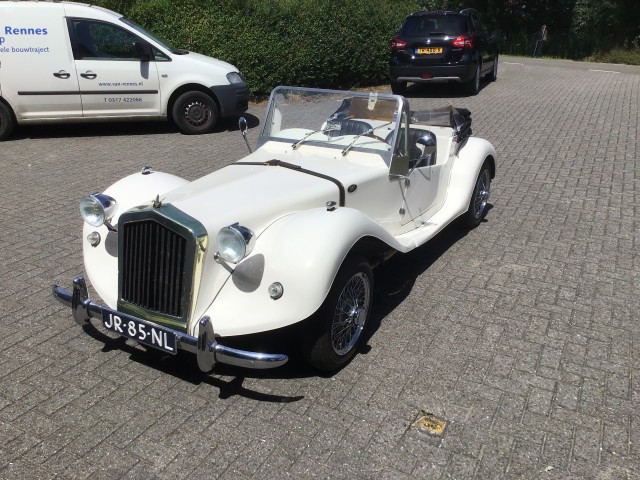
(397, 44)
(463, 41)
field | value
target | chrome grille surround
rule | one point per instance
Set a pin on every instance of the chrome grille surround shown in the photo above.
(160, 256)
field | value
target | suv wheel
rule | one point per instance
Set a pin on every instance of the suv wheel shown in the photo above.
(493, 76)
(473, 87)
(398, 88)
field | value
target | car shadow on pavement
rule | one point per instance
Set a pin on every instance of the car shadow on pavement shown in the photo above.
(396, 277)
(117, 129)
(184, 367)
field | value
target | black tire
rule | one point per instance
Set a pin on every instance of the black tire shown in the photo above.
(195, 113)
(338, 324)
(398, 88)
(493, 75)
(473, 86)
(7, 123)
(479, 198)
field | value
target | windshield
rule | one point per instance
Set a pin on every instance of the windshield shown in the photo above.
(348, 121)
(160, 42)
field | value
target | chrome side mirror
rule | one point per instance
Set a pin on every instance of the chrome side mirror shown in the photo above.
(428, 141)
(244, 127)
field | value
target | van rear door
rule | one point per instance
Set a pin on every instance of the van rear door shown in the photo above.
(38, 71)
(114, 81)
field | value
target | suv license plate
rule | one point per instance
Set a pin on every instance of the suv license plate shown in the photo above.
(428, 51)
(140, 331)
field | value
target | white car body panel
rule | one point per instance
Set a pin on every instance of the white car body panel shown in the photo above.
(290, 199)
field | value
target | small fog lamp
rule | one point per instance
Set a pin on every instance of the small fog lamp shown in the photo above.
(276, 290)
(94, 239)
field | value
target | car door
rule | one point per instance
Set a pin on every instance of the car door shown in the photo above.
(423, 179)
(114, 81)
(38, 70)
(485, 48)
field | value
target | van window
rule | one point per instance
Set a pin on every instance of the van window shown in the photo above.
(95, 40)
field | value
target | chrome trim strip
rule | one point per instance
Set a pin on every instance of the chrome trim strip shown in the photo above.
(208, 351)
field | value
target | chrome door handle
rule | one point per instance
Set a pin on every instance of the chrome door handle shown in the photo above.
(62, 74)
(89, 75)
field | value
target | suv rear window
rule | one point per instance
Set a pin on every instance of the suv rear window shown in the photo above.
(433, 25)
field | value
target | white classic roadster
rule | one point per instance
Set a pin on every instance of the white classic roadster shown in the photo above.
(339, 182)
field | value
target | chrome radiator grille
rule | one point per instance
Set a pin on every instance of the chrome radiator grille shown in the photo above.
(153, 267)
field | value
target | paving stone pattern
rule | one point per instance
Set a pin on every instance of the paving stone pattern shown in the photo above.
(523, 333)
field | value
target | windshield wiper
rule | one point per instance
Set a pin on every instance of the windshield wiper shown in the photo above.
(322, 130)
(438, 33)
(367, 132)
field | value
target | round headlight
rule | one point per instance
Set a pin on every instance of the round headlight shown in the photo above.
(97, 208)
(235, 242)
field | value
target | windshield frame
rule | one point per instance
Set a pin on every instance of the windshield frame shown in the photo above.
(162, 43)
(274, 111)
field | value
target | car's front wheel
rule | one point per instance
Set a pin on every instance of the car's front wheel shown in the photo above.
(7, 123)
(479, 198)
(338, 325)
(195, 113)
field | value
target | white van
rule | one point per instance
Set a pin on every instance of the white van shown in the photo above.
(74, 62)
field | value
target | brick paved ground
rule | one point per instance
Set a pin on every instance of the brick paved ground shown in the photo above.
(523, 334)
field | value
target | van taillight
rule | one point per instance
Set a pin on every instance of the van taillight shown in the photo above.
(463, 41)
(397, 44)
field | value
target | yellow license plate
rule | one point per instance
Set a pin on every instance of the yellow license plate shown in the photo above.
(428, 51)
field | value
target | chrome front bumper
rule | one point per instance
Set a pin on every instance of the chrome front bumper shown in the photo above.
(208, 351)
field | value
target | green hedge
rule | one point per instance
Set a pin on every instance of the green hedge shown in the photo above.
(314, 43)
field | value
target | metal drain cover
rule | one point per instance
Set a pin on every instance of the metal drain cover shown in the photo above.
(430, 424)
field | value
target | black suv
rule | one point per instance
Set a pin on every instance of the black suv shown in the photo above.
(443, 46)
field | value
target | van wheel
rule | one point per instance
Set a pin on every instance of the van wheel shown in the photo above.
(195, 113)
(7, 123)
(340, 321)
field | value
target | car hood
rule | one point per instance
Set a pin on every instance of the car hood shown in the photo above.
(205, 60)
(252, 195)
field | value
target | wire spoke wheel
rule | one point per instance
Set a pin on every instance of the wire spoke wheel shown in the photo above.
(350, 313)
(336, 328)
(481, 194)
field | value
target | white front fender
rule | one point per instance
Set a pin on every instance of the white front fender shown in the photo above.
(303, 252)
(101, 262)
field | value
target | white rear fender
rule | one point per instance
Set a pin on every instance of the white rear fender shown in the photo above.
(464, 173)
(101, 261)
(303, 252)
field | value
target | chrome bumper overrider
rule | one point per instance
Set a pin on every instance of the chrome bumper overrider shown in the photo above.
(208, 351)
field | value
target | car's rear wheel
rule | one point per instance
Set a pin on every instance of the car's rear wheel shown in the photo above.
(7, 123)
(398, 87)
(479, 198)
(493, 76)
(339, 323)
(473, 87)
(195, 113)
